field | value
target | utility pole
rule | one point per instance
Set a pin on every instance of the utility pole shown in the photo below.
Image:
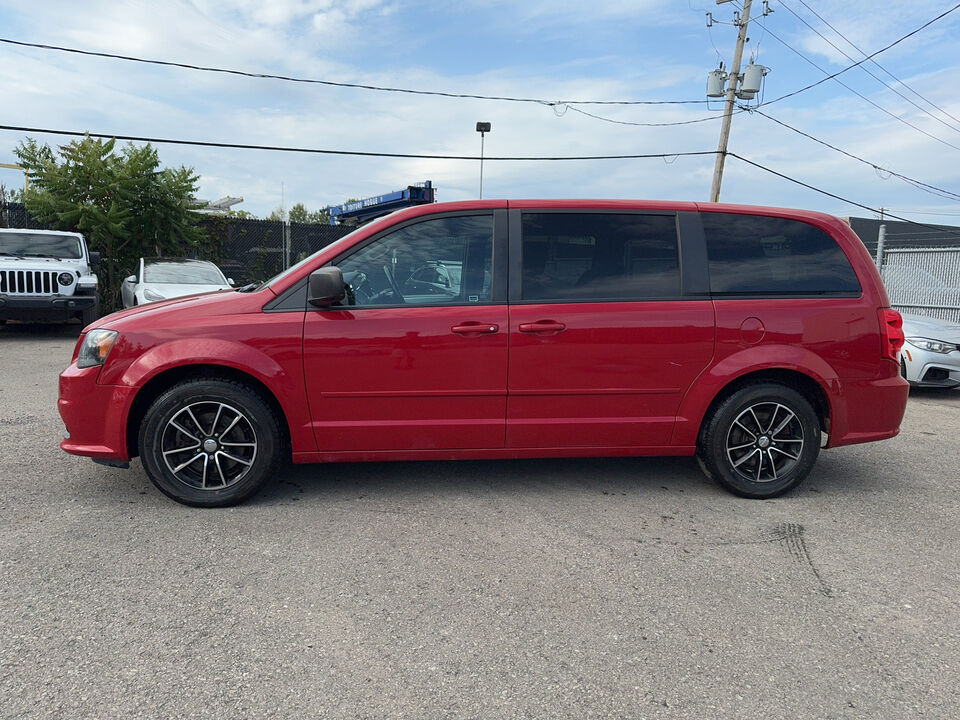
(734, 78)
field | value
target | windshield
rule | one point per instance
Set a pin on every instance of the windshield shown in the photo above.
(181, 272)
(39, 245)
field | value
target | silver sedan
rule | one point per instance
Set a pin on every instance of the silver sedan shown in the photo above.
(164, 278)
(931, 354)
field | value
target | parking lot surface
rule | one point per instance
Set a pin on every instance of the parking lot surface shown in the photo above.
(628, 588)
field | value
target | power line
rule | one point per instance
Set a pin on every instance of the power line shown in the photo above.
(851, 43)
(868, 57)
(332, 83)
(933, 189)
(833, 195)
(858, 94)
(316, 151)
(864, 68)
(647, 124)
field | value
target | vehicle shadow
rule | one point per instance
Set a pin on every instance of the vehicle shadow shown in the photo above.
(927, 393)
(40, 331)
(347, 482)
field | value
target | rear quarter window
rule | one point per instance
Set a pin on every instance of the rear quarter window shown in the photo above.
(756, 255)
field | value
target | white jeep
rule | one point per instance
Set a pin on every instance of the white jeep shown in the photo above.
(46, 275)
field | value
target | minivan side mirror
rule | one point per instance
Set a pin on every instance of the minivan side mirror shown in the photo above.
(94, 259)
(326, 286)
(230, 282)
(130, 279)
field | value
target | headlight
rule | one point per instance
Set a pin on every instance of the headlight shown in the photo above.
(96, 346)
(931, 345)
(65, 279)
(152, 295)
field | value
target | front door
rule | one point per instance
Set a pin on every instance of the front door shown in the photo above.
(415, 357)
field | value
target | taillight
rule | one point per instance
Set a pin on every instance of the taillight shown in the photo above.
(891, 333)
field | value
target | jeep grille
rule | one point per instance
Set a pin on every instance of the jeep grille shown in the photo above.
(29, 282)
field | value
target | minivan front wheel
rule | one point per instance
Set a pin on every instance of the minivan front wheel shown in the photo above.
(209, 442)
(761, 441)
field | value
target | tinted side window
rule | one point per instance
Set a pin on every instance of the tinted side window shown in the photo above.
(599, 256)
(438, 261)
(750, 254)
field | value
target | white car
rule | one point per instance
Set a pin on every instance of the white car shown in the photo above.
(931, 354)
(164, 278)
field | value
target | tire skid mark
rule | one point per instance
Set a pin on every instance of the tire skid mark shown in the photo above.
(790, 536)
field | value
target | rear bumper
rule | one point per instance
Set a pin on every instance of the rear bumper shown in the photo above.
(95, 415)
(868, 410)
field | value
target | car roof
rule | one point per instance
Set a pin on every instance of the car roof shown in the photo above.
(41, 232)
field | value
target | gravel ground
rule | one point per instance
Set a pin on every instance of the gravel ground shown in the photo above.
(625, 588)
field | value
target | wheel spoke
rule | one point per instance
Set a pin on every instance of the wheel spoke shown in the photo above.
(181, 466)
(231, 425)
(180, 450)
(243, 444)
(739, 447)
(782, 425)
(186, 432)
(746, 457)
(216, 461)
(773, 465)
(216, 418)
(196, 423)
(792, 457)
(206, 462)
(773, 418)
(759, 464)
(745, 428)
(756, 419)
(789, 440)
(235, 458)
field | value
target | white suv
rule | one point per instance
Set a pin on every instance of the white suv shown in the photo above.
(46, 275)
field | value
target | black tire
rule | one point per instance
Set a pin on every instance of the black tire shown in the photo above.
(748, 444)
(193, 420)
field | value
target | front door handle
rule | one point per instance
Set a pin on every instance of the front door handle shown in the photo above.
(542, 326)
(475, 328)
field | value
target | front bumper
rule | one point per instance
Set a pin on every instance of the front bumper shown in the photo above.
(95, 415)
(14, 307)
(929, 369)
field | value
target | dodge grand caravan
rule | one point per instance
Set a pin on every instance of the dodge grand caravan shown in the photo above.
(748, 336)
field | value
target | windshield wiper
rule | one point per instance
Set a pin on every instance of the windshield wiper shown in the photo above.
(14, 255)
(248, 288)
(41, 255)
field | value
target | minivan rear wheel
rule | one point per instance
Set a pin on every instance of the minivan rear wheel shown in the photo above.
(209, 442)
(760, 442)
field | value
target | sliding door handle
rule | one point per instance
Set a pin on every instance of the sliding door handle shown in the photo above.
(542, 326)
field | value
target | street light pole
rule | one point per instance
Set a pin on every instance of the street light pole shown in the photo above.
(483, 128)
(734, 78)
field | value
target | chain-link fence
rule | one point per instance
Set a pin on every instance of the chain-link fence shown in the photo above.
(246, 250)
(253, 250)
(922, 281)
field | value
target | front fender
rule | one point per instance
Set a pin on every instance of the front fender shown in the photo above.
(285, 384)
(697, 400)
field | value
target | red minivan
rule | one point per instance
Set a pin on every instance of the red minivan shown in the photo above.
(748, 336)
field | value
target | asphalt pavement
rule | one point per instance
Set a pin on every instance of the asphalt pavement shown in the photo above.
(610, 588)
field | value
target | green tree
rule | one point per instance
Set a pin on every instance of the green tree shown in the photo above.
(300, 214)
(123, 202)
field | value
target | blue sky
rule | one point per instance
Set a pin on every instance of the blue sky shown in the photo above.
(618, 50)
